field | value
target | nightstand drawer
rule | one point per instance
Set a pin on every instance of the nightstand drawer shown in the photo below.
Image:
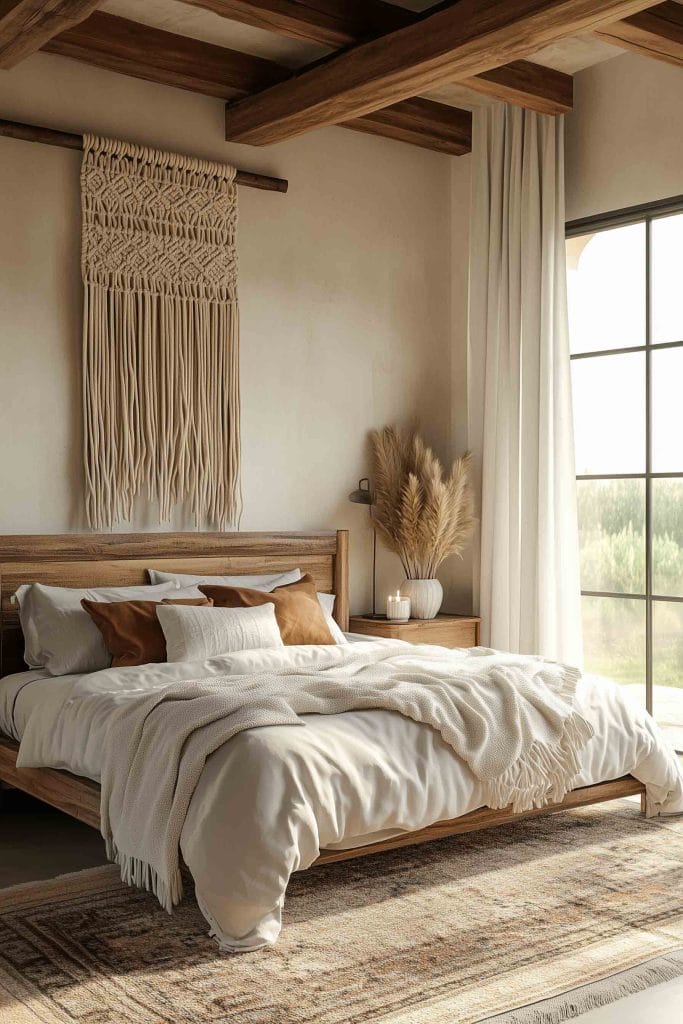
(444, 630)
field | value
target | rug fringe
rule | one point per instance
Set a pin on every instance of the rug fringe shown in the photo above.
(569, 1005)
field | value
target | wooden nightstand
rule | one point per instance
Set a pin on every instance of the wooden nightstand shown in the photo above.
(445, 630)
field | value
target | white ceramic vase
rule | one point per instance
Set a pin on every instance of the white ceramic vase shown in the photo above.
(425, 596)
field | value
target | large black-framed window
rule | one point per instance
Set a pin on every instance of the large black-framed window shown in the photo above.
(625, 286)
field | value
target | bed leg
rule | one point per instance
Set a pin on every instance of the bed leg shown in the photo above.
(643, 803)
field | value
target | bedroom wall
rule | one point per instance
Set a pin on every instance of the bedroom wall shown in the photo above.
(346, 306)
(624, 136)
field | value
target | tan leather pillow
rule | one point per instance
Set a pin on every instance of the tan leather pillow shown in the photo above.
(131, 630)
(297, 609)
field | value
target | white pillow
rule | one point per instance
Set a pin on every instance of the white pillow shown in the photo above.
(327, 604)
(194, 633)
(264, 583)
(60, 636)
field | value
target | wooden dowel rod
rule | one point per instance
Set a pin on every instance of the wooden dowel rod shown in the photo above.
(69, 140)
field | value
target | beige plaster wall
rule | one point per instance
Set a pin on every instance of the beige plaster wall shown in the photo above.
(624, 143)
(346, 302)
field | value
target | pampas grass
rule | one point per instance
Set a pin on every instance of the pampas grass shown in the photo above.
(420, 515)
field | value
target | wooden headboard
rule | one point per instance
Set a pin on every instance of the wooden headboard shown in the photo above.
(113, 560)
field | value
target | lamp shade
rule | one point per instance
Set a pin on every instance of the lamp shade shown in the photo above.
(362, 495)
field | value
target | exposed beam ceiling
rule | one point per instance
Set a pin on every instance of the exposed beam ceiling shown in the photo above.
(528, 85)
(465, 39)
(657, 32)
(130, 48)
(334, 23)
(164, 57)
(25, 25)
(423, 123)
(338, 23)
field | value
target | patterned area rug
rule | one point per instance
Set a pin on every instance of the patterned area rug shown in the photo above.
(445, 933)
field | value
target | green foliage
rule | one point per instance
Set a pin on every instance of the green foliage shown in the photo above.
(612, 525)
(616, 562)
(613, 505)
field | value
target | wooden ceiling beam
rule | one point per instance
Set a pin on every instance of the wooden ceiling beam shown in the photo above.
(338, 23)
(529, 85)
(124, 46)
(130, 48)
(423, 123)
(333, 23)
(657, 33)
(25, 25)
(464, 39)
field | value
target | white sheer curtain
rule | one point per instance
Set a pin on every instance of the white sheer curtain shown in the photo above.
(520, 388)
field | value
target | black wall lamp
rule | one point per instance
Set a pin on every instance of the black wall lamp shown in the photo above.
(363, 496)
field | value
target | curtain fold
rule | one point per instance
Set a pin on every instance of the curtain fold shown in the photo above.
(520, 408)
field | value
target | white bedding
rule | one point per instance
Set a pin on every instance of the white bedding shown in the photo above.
(271, 797)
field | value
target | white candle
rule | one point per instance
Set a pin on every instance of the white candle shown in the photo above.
(398, 608)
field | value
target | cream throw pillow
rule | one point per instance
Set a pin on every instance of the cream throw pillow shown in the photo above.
(327, 605)
(60, 636)
(194, 633)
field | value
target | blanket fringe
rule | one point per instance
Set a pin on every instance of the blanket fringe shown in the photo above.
(140, 874)
(543, 775)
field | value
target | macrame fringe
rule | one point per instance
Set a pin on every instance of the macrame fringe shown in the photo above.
(160, 334)
(138, 873)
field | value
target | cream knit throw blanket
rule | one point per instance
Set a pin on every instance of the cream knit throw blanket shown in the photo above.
(161, 400)
(510, 718)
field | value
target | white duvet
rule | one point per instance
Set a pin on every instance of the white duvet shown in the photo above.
(269, 799)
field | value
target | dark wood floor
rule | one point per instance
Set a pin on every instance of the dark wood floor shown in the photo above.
(39, 842)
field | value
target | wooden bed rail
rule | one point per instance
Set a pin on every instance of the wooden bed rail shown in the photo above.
(76, 796)
(80, 798)
(484, 817)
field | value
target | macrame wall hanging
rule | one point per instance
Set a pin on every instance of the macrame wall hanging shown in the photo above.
(160, 334)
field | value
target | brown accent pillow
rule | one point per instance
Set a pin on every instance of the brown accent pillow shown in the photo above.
(297, 609)
(131, 630)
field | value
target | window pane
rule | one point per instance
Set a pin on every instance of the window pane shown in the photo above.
(667, 259)
(609, 413)
(612, 535)
(667, 537)
(614, 639)
(667, 410)
(668, 669)
(606, 289)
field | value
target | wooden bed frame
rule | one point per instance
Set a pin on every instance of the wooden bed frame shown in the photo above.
(92, 560)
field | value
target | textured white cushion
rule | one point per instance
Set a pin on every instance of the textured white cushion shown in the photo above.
(264, 583)
(327, 605)
(60, 636)
(194, 633)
